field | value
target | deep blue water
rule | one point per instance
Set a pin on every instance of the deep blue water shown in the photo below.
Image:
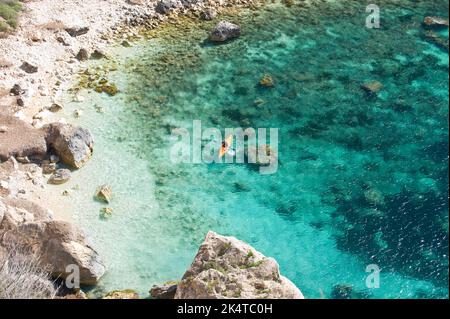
(362, 179)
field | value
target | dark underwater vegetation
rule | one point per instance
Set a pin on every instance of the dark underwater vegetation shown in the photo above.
(362, 178)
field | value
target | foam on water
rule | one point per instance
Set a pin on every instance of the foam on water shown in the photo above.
(354, 186)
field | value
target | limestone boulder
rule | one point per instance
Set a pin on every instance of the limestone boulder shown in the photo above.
(166, 291)
(224, 31)
(74, 145)
(226, 267)
(58, 243)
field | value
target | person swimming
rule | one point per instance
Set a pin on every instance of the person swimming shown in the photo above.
(226, 147)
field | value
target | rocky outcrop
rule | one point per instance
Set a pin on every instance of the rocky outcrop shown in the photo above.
(59, 244)
(165, 6)
(435, 22)
(122, 294)
(19, 139)
(224, 31)
(74, 145)
(166, 291)
(226, 267)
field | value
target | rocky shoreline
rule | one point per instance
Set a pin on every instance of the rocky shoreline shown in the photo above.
(70, 33)
(36, 146)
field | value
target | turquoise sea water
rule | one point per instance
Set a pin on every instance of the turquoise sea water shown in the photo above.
(361, 179)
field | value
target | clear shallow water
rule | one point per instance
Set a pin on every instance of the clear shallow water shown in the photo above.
(361, 180)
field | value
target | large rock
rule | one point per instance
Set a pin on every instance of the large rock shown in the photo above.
(226, 267)
(74, 145)
(76, 31)
(20, 139)
(58, 243)
(164, 6)
(166, 291)
(224, 31)
(82, 55)
(28, 67)
(208, 14)
(435, 22)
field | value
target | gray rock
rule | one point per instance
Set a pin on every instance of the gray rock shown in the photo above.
(82, 55)
(28, 67)
(55, 107)
(18, 89)
(208, 14)
(226, 267)
(224, 31)
(165, 291)
(164, 6)
(60, 176)
(74, 145)
(76, 31)
(99, 54)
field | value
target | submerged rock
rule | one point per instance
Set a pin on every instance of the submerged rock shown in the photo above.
(266, 81)
(60, 176)
(122, 294)
(55, 107)
(74, 145)
(106, 212)
(261, 155)
(226, 267)
(342, 292)
(435, 38)
(104, 193)
(166, 291)
(224, 31)
(372, 87)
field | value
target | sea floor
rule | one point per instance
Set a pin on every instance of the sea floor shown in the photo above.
(361, 179)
